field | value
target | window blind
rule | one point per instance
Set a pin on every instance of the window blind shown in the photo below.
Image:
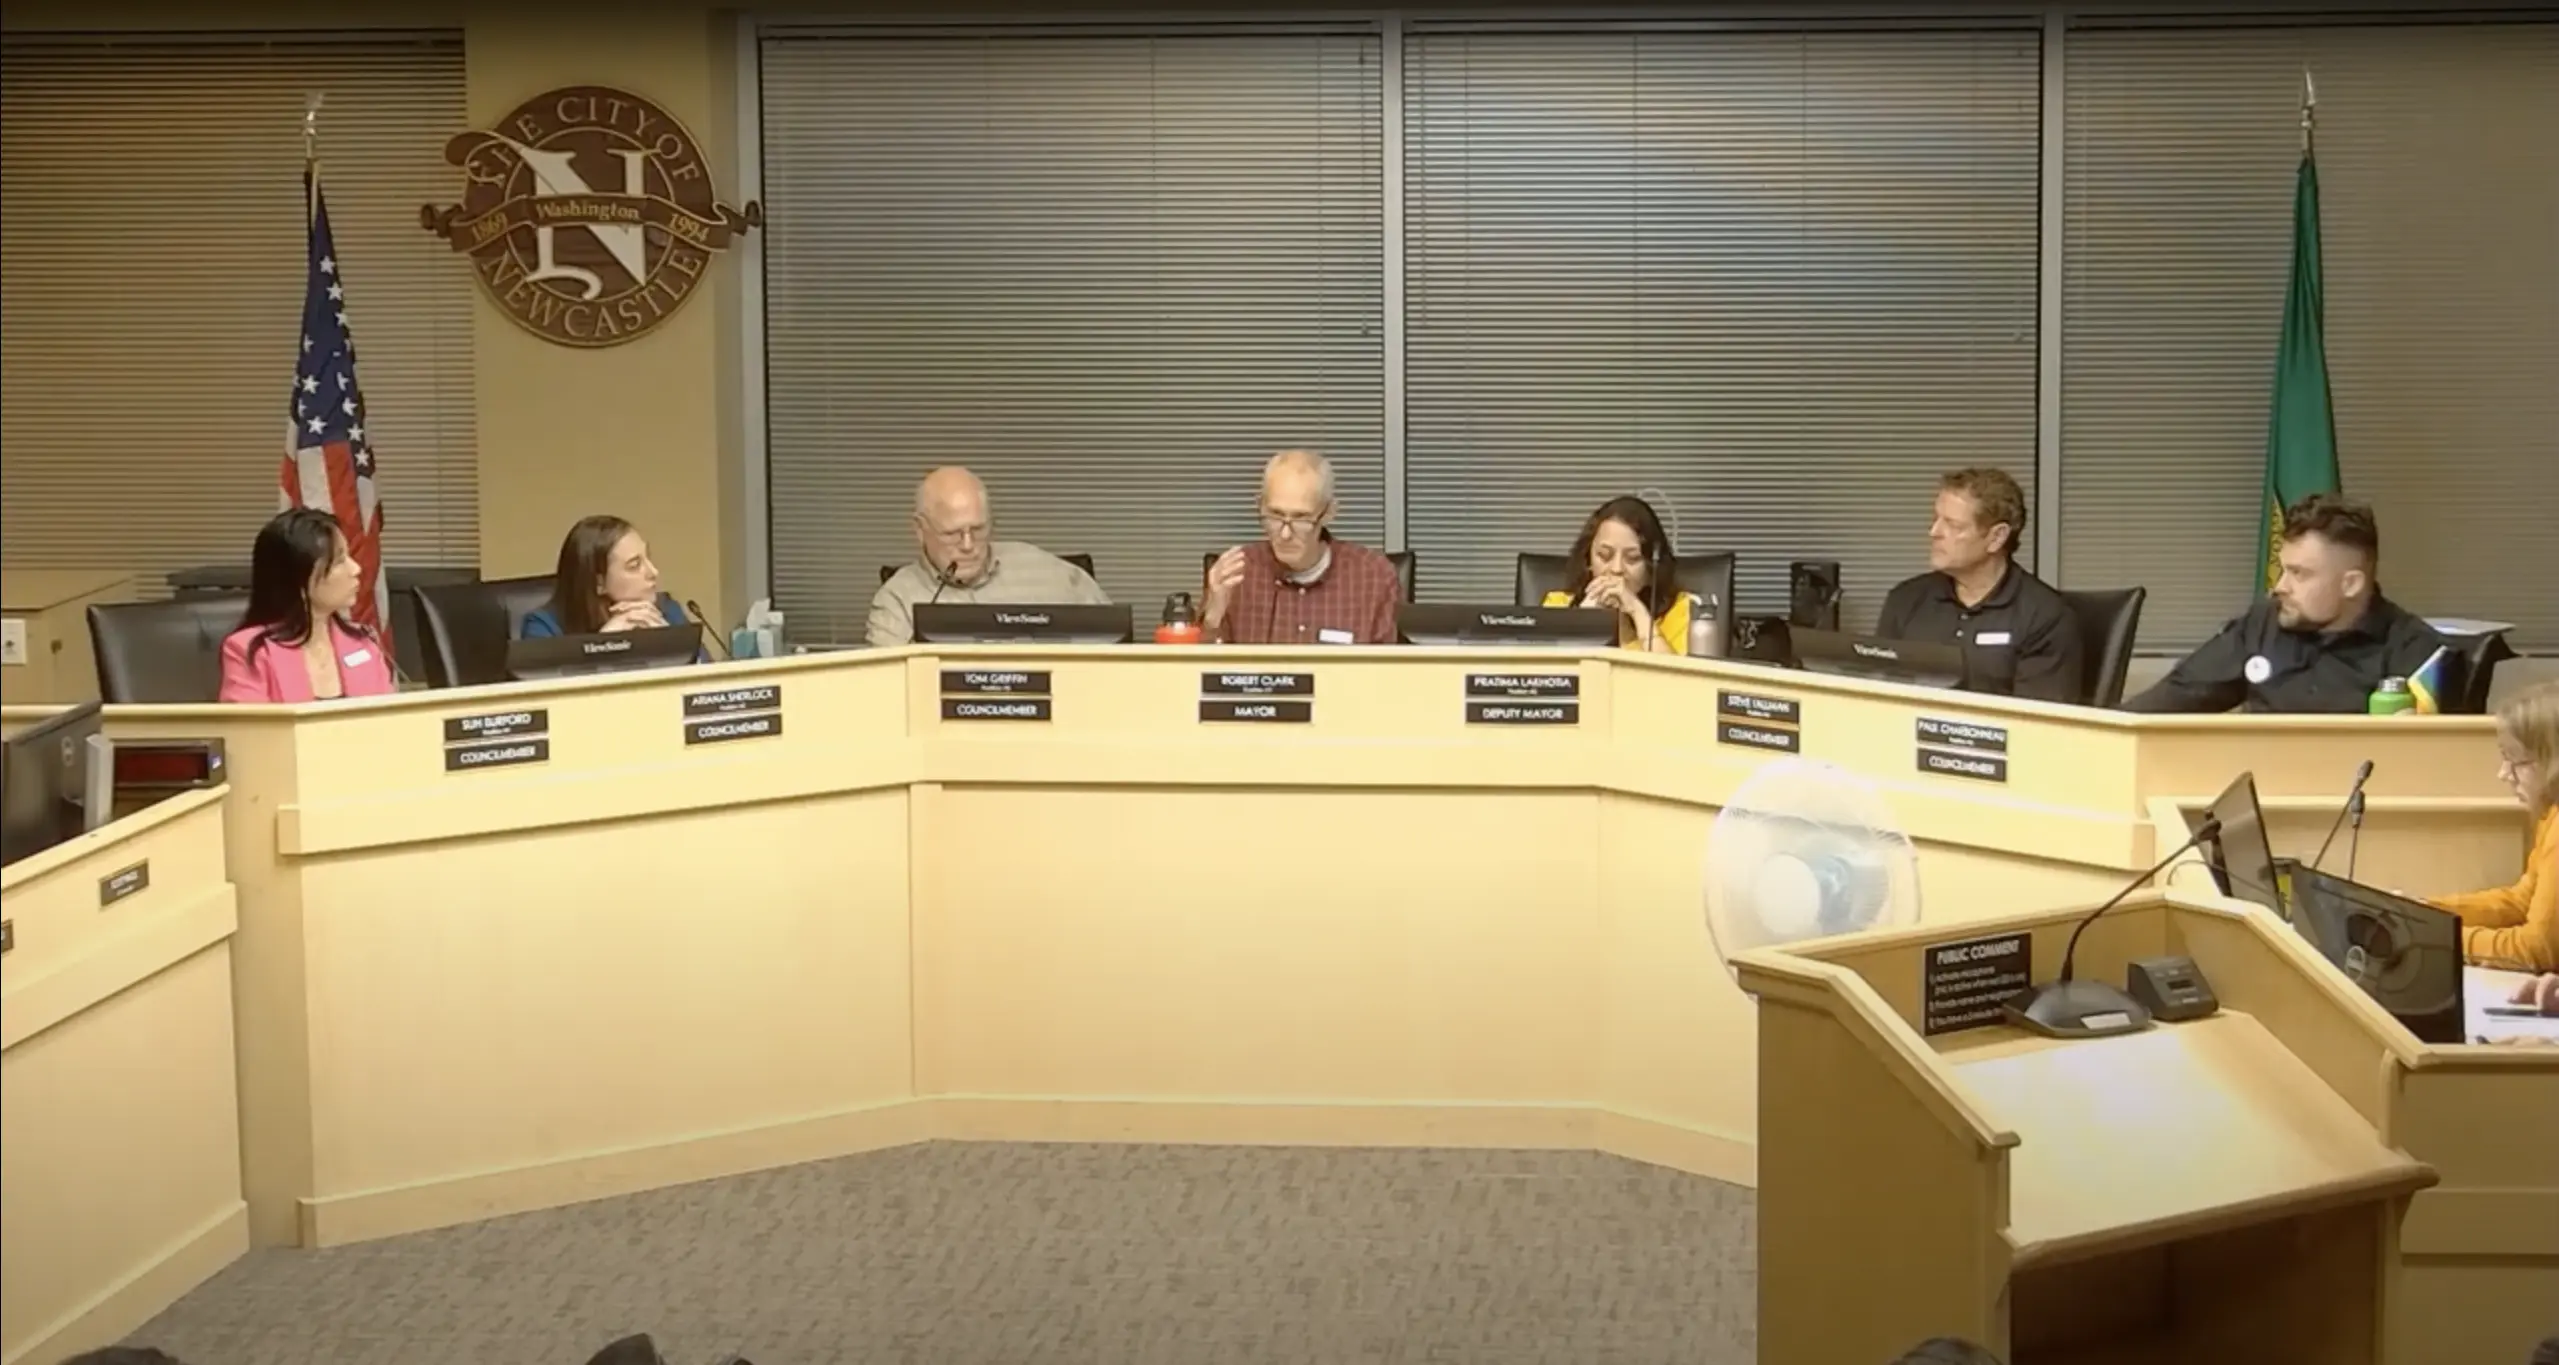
(1786, 278)
(2438, 154)
(1112, 274)
(151, 278)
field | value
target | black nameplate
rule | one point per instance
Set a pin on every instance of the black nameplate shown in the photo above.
(1963, 734)
(1963, 985)
(1258, 684)
(1248, 710)
(497, 753)
(722, 729)
(983, 682)
(733, 701)
(1751, 736)
(1523, 685)
(496, 725)
(1523, 713)
(117, 885)
(8, 935)
(997, 708)
(1766, 710)
(1978, 767)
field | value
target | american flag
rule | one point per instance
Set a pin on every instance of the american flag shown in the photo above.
(328, 462)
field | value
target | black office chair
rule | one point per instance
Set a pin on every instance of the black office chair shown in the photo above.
(465, 627)
(167, 653)
(1403, 560)
(2474, 669)
(1079, 559)
(1539, 575)
(2109, 618)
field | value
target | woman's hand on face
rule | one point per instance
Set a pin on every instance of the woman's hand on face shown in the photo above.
(1602, 592)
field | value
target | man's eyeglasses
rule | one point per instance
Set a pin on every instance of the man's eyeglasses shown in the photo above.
(1303, 526)
(960, 534)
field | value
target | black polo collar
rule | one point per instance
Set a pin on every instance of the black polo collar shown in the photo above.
(2002, 595)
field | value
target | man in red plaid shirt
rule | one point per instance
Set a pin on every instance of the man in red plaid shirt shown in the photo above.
(1298, 585)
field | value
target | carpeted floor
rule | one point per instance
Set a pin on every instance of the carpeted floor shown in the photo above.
(953, 1254)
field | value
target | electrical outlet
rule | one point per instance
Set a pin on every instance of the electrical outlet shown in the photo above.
(13, 641)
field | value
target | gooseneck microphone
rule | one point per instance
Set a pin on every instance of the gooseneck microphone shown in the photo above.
(944, 575)
(2354, 807)
(703, 622)
(2354, 829)
(2071, 1008)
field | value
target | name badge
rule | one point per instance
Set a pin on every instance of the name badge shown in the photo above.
(1991, 637)
(361, 656)
(1333, 637)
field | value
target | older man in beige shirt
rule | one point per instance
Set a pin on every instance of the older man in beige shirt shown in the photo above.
(957, 559)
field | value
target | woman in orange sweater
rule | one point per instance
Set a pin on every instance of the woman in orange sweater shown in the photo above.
(2517, 927)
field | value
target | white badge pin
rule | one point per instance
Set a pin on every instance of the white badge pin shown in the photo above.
(2258, 669)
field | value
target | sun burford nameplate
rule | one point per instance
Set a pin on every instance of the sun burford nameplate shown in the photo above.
(588, 214)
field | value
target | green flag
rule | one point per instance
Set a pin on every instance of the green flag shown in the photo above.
(2301, 431)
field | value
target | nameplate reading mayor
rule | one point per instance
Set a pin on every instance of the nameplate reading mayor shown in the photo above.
(1253, 710)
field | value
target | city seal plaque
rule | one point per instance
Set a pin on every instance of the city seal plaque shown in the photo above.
(588, 215)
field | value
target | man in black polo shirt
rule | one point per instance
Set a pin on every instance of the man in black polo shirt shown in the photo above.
(2017, 634)
(2321, 643)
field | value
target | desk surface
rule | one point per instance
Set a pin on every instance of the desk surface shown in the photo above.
(2158, 1135)
(2482, 987)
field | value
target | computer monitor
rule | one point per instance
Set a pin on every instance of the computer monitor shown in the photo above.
(2404, 954)
(975, 623)
(1915, 662)
(568, 656)
(2242, 863)
(1441, 623)
(57, 781)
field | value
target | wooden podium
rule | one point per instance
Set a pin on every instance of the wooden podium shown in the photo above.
(2202, 1192)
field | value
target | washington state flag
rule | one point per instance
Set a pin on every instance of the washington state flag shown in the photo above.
(2301, 432)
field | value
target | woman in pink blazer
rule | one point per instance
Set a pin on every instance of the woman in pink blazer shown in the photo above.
(295, 643)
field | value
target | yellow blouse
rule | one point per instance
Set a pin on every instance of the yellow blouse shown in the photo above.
(1671, 625)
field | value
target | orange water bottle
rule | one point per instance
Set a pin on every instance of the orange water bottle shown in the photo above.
(1181, 623)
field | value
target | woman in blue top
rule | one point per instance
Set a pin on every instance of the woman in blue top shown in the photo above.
(606, 582)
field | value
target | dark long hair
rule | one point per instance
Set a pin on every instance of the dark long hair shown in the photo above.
(1637, 515)
(296, 544)
(577, 599)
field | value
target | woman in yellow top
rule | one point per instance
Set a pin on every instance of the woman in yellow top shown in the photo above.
(1622, 563)
(2517, 927)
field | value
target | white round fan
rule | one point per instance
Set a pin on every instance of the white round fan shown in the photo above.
(1806, 849)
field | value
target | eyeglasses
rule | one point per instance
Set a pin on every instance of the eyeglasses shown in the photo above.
(1273, 521)
(958, 534)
